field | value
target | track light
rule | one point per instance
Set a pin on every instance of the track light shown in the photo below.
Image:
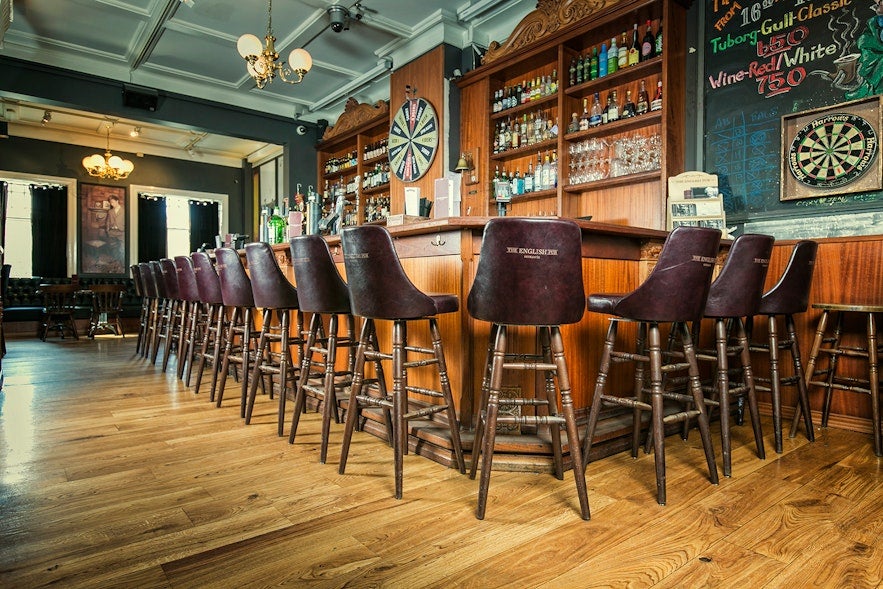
(47, 116)
(136, 132)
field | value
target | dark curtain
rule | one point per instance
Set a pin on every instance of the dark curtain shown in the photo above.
(4, 195)
(203, 223)
(152, 228)
(49, 231)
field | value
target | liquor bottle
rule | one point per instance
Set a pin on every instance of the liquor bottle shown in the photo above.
(593, 65)
(571, 72)
(595, 113)
(525, 135)
(612, 106)
(579, 69)
(612, 57)
(515, 137)
(658, 48)
(518, 182)
(635, 48)
(573, 127)
(276, 227)
(656, 103)
(553, 82)
(528, 178)
(643, 104)
(628, 107)
(622, 60)
(537, 91)
(538, 174)
(602, 61)
(546, 181)
(553, 170)
(648, 44)
(584, 119)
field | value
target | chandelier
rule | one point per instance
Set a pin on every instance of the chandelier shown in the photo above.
(108, 166)
(262, 63)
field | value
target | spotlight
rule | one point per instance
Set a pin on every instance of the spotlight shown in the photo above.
(47, 116)
(135, 132)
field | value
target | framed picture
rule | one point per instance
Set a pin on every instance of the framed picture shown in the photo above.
(104, 230)
(832, 150)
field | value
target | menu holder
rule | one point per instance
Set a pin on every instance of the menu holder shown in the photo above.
(694, 201)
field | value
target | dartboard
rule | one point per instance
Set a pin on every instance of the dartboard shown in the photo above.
(413, 139)
(832, 150)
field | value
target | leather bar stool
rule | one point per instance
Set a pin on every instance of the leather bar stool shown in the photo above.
(323, 293)
(213, 335)
(674, 292)
(787, 298)
(148, 282)
(144, 313)
(540, 262)
(238, 299)
(833, 347)
(735, 294)
(380, 289)
(277, 298)
(162, 309)
(192, 316)
(172, 318)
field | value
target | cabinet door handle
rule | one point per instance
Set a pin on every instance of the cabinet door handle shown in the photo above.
(438, 241)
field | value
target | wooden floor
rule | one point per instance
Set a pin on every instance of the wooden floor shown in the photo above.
(113, 474)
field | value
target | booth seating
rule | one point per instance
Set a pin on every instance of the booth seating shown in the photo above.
(675, 292)
(380, 290)
(323, 293)
(541, 261)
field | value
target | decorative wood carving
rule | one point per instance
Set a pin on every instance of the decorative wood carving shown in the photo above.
(549, 17)
(356, 114)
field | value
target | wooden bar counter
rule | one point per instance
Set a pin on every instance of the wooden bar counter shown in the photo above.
(441, 256)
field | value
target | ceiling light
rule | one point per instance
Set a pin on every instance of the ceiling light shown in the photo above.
(262, 63)
(47, 116)
(136, 132)
(108, 166)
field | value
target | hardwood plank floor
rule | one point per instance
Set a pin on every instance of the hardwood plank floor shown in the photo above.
(113, 474)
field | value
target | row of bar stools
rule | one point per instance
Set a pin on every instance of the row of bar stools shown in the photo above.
(833, 347)
(380, 290)
(788, 297)
(277, 298)
(541, 261)
(323, 293)
(148, 284)
(238, 299)
(192, 317)
(675, 292)
(214, 330)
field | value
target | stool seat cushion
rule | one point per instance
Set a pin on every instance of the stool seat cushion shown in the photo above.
(604, 303)
(445, 303)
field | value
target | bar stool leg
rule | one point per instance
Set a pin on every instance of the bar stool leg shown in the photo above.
(353, 411)
(810, 371)
(874, 385)
(748, 378)
(544, 333)
(400, 401)
(723, 385)
(490, 427)
(447, 394)
(482, 402)
(702, 419)
(600, 386)
(305, 368)
(775, 389)
(259, 359)
(802, 394)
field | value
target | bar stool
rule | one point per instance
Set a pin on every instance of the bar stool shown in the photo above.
(144, 314)
(213, 334)
(541, 261)
(735, 294)
(788, 297)
(832, 346)
(163, 302)
(380, 289)
(277, 297)
(322, 292)
(239, 301)
(675, 292)
(148, 282)
(172, 319)
(192, 316)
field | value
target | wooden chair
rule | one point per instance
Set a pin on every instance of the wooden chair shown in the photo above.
(107, 304)
(59, 305)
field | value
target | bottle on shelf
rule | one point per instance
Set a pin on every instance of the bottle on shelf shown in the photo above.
(515, 135)
(580, 69)
(593, 65)
(612, 106)
(628, 107)
(634, 55)
(553, 170)
(584, 119)
(656, 103)
(643, 104)
(595, 113)
(553, 82)
(518, 182)
(612, 56)
(658, 42)
(602, 61)
(276, 227)
(546, 176)
(529, 178)
(648, 44)
(572, 72)
(573, 127)
(622, 59)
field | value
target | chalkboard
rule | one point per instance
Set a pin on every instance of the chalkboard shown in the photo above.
(769, 58)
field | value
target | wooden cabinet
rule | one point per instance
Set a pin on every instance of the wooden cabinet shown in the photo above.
(615, 172)
(352, 158)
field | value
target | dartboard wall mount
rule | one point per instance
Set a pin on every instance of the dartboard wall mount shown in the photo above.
(832, 150)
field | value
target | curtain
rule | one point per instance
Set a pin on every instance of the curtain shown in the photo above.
(4, 195)
(152, 228)
(203, 223)
(49, 231)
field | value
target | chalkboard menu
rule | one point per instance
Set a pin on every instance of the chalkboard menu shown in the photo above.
(770, 58)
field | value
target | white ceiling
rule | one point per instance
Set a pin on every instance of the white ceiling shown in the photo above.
(180, 48)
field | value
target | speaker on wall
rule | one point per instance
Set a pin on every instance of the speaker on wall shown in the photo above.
(140, 97)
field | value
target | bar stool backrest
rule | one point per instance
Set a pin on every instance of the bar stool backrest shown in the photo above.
(791, 294)
(207, 283)
(737, 289)
(270, 287)
(170, 277)
(677, 288)
(235, 284)
(529, 273)
(320, 289)
(136, 280)
(186, 279)
(379, 287)
(147, 281)
(158, 280)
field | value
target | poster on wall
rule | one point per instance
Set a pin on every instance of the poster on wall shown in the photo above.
(768, 59)
(103, 231)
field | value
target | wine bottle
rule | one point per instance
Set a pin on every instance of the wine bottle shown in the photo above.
(628, 107)
(612, 106)
(593, 65)
(580, 70)
(612, 57)
(643, 104)
(648, 44)
(658, 49)
(635, 48)
(622, 60)
(572, 72)
(656, 103)
(584, 120)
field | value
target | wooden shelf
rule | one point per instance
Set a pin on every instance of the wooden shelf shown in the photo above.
(620, 126)
(550, 100)
(376, 189)
(521, 151)
(615, 181)
(619, 78)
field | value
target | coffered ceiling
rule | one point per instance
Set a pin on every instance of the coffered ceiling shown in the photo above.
(189, 47)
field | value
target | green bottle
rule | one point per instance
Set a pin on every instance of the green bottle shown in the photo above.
(593, 66)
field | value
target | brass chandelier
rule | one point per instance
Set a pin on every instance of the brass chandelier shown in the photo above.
(108, 166)
(262, 62)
